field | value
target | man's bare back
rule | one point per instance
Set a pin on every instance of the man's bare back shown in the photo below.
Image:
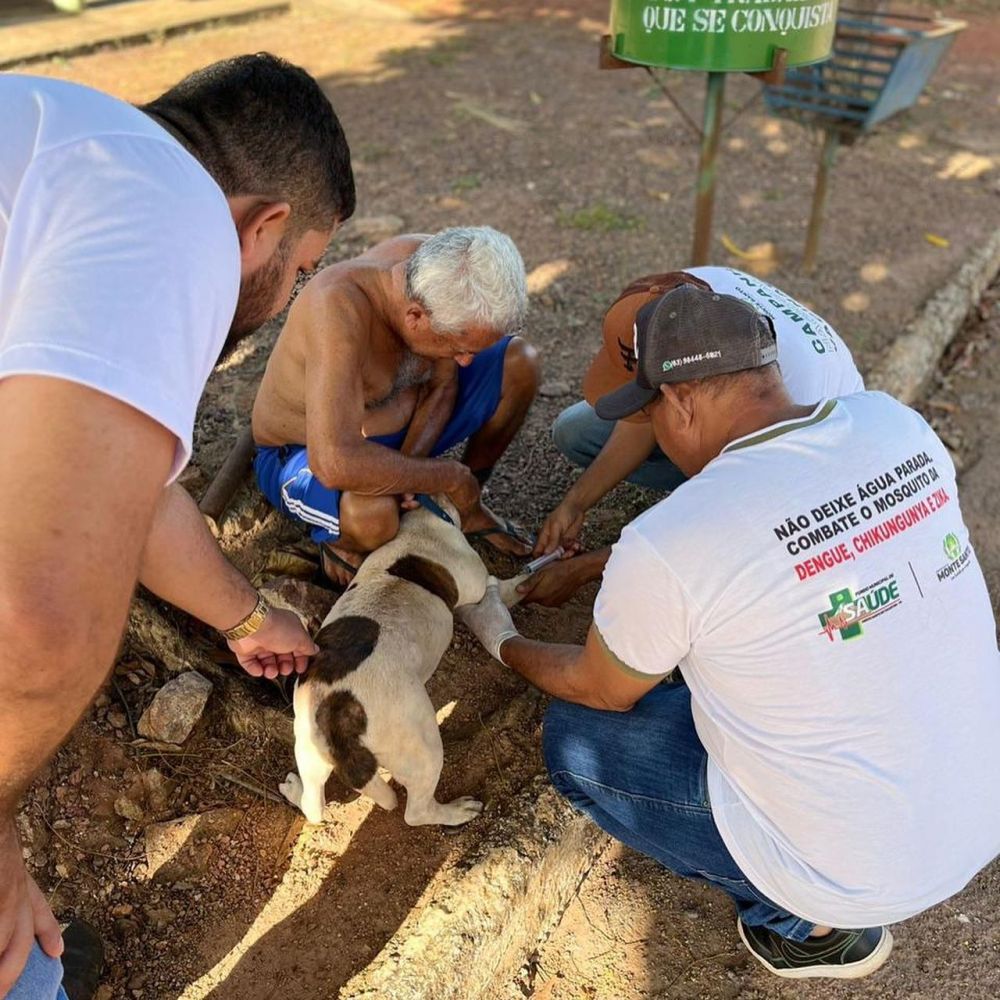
(391, 374)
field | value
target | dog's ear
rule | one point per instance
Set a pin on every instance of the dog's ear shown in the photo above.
(444, 502)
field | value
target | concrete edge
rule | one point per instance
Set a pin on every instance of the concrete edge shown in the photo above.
(905, 368)
(140, 37)
(491, 910)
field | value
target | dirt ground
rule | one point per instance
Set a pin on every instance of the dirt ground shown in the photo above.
(493, 112)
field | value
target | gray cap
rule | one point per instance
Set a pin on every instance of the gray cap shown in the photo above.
(690, 333)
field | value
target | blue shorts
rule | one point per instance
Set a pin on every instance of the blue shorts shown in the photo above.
(285, 478)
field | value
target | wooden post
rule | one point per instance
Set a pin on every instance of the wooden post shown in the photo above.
(229, 478)
(705, 199)
(827, 156)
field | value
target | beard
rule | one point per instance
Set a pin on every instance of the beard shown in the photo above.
(258, 297)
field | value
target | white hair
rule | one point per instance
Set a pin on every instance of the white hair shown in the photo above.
(469, 275)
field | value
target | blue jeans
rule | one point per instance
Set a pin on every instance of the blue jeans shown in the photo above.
(642, 777)
(579, 433)
(41, 979)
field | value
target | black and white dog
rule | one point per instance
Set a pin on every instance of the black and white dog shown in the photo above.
(363, 703)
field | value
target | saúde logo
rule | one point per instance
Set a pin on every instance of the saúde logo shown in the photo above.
(849, 611)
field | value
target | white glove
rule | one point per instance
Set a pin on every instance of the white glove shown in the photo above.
(489, 620)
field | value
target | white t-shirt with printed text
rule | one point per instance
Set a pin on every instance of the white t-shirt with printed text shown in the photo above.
(818, 587)
(815, 363)
(119, 259)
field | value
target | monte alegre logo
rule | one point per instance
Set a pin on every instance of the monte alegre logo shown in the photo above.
(952, 546)
(958, 558)
(848, 611)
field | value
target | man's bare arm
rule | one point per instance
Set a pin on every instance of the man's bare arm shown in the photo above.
(94, 469)
(183, 564)
(628, 447)
(586, 675)
(336, 339)
(434, 409)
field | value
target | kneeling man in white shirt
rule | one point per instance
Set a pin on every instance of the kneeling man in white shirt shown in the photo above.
(810, 578)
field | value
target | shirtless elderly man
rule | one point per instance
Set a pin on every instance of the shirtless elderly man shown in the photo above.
(387, 361)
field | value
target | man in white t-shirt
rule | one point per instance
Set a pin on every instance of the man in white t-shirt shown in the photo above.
(815, 364)
(810, 578)
(136, 245)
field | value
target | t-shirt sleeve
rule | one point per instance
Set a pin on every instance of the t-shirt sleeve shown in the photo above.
(643, 613)
(121, 264)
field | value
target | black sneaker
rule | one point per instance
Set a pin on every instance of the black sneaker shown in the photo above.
(838, 955)
(82, 959)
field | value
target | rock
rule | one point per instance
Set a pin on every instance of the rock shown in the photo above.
(176, 709)
(127, 929)
(182, 848)
(158, 789)
(159, 916)
(117, 719)
(309, 601)
(129, 809)
(374, 228)
(553, 390)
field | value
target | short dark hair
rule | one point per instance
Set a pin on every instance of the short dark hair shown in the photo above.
(260, 125)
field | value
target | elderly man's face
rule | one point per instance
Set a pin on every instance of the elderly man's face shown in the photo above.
(426, 342)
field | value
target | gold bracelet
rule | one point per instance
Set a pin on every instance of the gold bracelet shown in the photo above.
(251, 623)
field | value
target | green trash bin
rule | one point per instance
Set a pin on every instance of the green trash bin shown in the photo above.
(728, 36)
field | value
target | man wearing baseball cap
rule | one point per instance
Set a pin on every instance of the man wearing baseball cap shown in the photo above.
(815, 364)
(807, 577)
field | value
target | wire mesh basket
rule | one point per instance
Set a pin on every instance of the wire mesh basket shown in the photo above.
(880, 63)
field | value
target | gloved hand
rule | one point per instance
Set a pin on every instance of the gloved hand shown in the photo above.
(489, 620)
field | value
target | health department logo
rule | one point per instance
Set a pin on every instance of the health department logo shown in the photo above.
(952, 546)
(848, 612)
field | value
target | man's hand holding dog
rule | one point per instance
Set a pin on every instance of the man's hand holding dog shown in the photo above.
(465, 493)
(489, 620)
(281, 646)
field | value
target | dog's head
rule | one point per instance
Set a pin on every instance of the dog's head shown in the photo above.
(444, 502)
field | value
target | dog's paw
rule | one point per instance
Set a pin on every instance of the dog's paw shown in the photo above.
(508, 589)
(460, 811)
(291, 788)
